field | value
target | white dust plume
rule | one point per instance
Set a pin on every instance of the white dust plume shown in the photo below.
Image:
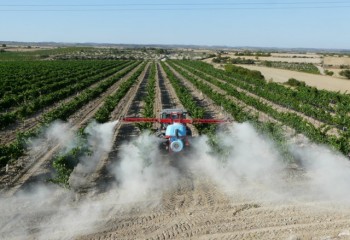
(99, 142)
(49, 212)
(142, 171)
(254, 167)
(250, 161)
(327, 172)
(57, 133)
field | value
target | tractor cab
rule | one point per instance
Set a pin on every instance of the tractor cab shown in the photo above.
(174, 129)
(173, 116)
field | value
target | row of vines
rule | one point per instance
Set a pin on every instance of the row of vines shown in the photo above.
(16, 148)
(37, 100)
(64, 164)
(340, 143)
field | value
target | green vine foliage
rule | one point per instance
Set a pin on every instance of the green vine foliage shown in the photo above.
(64, 163)
(149, 99)
(10, 152)
(259, 87)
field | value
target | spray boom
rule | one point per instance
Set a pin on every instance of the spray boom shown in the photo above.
(173, 127)
(172, 120)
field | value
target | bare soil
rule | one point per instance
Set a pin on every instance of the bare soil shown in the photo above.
(336, 61)
(196, 208)
(26, 49)
(318, 81)
(331, 83)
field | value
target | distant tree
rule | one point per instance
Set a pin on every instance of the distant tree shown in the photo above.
(296, 83)
(3, 45)
(244, 72)
(161, 51)
(268, 64)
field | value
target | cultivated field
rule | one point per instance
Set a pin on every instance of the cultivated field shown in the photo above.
(282, 57)
(71, 169)
(321, 82)
(282, 68)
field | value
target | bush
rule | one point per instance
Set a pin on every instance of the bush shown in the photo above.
(300, 67)
(244, 72)
(295, 83)
(220, 59)
(329, 73)
(345, 73)
(242, 61)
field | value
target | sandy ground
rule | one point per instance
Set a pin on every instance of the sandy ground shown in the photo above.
(26, 49)
(319, 81)
(332, 83)
(337, 61)
(196, 208)
(280, 75)
(195, 197)
(284, 57)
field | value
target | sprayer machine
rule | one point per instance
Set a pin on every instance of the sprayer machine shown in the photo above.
(173, 128)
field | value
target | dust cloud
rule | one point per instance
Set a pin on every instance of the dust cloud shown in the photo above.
(251, 163)
(327, 172)
(252, 166)
(99, 142)
(255, 168)
(142, 172)
(58, 132)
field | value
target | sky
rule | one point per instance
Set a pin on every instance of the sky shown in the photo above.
(235, 23)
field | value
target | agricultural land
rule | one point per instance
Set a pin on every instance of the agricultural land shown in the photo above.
(70, 168)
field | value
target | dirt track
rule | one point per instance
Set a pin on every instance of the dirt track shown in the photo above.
(185, 198)
(196, 208)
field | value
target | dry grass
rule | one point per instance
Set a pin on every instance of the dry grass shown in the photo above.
(319, 81)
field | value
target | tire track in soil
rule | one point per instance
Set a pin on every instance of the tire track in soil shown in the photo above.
(188, 210)
(166, 100)
(36, 168)
(158, 105)
(209, 214)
